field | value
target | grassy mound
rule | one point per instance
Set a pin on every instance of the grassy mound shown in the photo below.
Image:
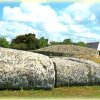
(68, 50)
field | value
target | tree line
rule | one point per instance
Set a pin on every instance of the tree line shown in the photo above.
(30, 42)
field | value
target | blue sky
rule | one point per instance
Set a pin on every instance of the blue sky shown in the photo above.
(54, 20)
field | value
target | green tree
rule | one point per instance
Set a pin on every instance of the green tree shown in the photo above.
(33, 42)
(55, 43)
(43, 42)
(20, 46)
(4, 42)
(81, 44)
(67, 41)
(25, 42)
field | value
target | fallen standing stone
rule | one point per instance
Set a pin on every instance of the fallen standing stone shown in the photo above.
(74, 71)
(25, 70)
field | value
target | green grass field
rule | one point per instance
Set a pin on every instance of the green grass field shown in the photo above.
(62, 92)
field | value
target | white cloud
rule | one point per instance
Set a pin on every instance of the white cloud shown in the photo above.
(45, 19)
(55, 28)
(80, 11)
(79, 7)
(14, 14)
(92, 17)
(78, 18)
(78, 28)
(83, 32)
(90, 35)
(14, 28)
(36, 14)
(31, 12)
(65, 18)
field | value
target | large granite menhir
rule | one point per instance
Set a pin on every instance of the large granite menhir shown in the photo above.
(74, 71)
(26, 70)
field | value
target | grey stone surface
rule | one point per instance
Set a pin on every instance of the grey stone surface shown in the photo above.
(27, 70)
(74, 71)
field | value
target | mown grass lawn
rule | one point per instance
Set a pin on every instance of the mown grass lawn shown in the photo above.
(62, 92)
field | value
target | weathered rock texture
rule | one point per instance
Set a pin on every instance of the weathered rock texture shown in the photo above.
(74, 71)
(28, 70)
(21, 69)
